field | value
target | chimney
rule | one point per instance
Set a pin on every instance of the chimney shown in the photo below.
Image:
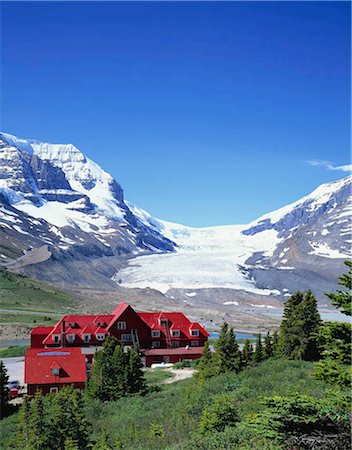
(63, 333)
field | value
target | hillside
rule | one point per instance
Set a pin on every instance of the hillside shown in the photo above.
(168, 417)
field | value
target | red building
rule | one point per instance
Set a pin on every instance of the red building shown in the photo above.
(69, 345)
(49, 370)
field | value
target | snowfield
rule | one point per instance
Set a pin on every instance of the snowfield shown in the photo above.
(205, 258)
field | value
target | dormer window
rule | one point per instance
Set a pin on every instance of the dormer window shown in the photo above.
(155, 333)
(163, 322)
(175, 333)
(70, 338)
(72, 324)
(121, 325)
(100, 336)
(87, 338)
(56, 338)
(194, 332)
(55, 371)
(100, 323)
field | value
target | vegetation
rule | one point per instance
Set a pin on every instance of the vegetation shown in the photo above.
(10, 352)
(4, 379)
(116, 372)
(299, 327)
(22, 293)
(274, 396)
(343, 299)
(334, 340)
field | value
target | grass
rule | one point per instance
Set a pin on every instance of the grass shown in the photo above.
(175, 409)
(27, 319)
(23, 293)
(155, 377)
(10, 352)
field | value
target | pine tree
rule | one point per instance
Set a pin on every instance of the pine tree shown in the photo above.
(23, 432)
(247, 353)
(310, 329)
(4, 379)
(288, 338)
(205, 365)
(38, 434)
(258, 352)
(69, 421)
(299, 327)
(275, 342)
(119, 364)
(343, 299)
(268, 347)
(135, 382)
(228, 355)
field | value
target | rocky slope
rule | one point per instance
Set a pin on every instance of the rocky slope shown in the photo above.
(65, 220)
(52, 195)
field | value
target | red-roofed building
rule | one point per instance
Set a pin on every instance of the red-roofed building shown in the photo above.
(161, 337)
(50, 369)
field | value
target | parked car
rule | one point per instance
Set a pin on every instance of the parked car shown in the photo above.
(13, 384)
(13, 393)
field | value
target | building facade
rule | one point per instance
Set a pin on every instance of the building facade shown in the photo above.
(62, 354)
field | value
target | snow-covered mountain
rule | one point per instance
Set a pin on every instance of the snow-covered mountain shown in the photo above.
(73, 217)
(51, 194)
(300, 246)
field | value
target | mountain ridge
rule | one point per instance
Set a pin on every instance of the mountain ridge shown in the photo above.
(52, 195)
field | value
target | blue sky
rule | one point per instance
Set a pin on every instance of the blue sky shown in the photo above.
(206, 113)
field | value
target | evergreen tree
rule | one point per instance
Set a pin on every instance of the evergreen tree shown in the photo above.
(299, 327)
(335, 340)
(258, 352)
(205, 365)
(136, 383)
(69, 422)
(247, 353)
(275, 343)
(120, 366)
(23, 433)
(38, 434)
(4, 379)
(343, 299)
(228, 355)
(268, 347)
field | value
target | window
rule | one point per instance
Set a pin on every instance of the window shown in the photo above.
(194, 343)
(56, 338)
(54, 390)
(71, 324)
(55, 371)
(100, 336)
(163, 322)
(121, 325)
(156, 344)
(155, 333)
(175, 344)
(194, 332)
(166, 359)
(126, 337)
(100, 323)
(70, 338)
(87, 337)
(175, 333)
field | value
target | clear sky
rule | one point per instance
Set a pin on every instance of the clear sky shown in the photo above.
(205, 112)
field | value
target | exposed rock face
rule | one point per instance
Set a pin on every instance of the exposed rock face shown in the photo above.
(52, 194)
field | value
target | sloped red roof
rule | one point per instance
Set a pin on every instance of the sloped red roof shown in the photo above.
(82, 324)
(178, 351)
(40, 362)
(42, 330)
(177, 321)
